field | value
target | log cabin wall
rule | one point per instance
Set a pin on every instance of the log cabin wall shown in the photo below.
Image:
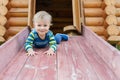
(17, 17)
(95, 17)
(102, 17)
(3, 19)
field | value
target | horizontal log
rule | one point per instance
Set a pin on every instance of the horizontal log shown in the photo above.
(110, 2)
(92, 4)
(94, 12)
(3, 10)
(4, 2)
(98, 30)
(14, 30)
(3, 20)
(94, 21)
(17, 21)
(19, 3)
(113, 30)
(18, 12)
(2, 30)
(110, 10)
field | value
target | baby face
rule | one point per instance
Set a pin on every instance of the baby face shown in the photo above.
(42, 27)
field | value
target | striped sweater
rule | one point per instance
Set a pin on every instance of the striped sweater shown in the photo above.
(34, 40)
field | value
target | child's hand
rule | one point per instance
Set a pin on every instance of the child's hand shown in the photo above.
(49, 52)
(31, 53)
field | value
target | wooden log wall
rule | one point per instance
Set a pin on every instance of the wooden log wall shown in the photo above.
(17, 17)
(103, 17)
(3, 19)
(113, 20)
(95, 17)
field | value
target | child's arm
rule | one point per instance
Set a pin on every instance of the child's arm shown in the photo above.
(29, 45)
(52, 44)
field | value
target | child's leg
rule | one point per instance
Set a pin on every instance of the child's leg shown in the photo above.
(64, 37)
(59, 37)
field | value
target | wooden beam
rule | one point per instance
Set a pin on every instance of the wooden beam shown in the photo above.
(11, 48)
(76, 14)
(31, 12)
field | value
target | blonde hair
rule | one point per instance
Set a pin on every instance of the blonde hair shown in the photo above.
(42, 15)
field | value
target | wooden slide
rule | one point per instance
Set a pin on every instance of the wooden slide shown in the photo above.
(86, 57)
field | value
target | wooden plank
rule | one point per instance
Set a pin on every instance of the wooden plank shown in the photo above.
(39, 67)
(102, 70)
(9, 49)
(47, 68)
(72, 64)
(110, 55)
(76, 14)
(12, 70)
(31, 12)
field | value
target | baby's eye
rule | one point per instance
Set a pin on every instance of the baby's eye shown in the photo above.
(39, 25)
(45, 25)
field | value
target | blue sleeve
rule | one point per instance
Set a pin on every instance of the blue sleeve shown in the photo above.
(29, 41)
(52, 42)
